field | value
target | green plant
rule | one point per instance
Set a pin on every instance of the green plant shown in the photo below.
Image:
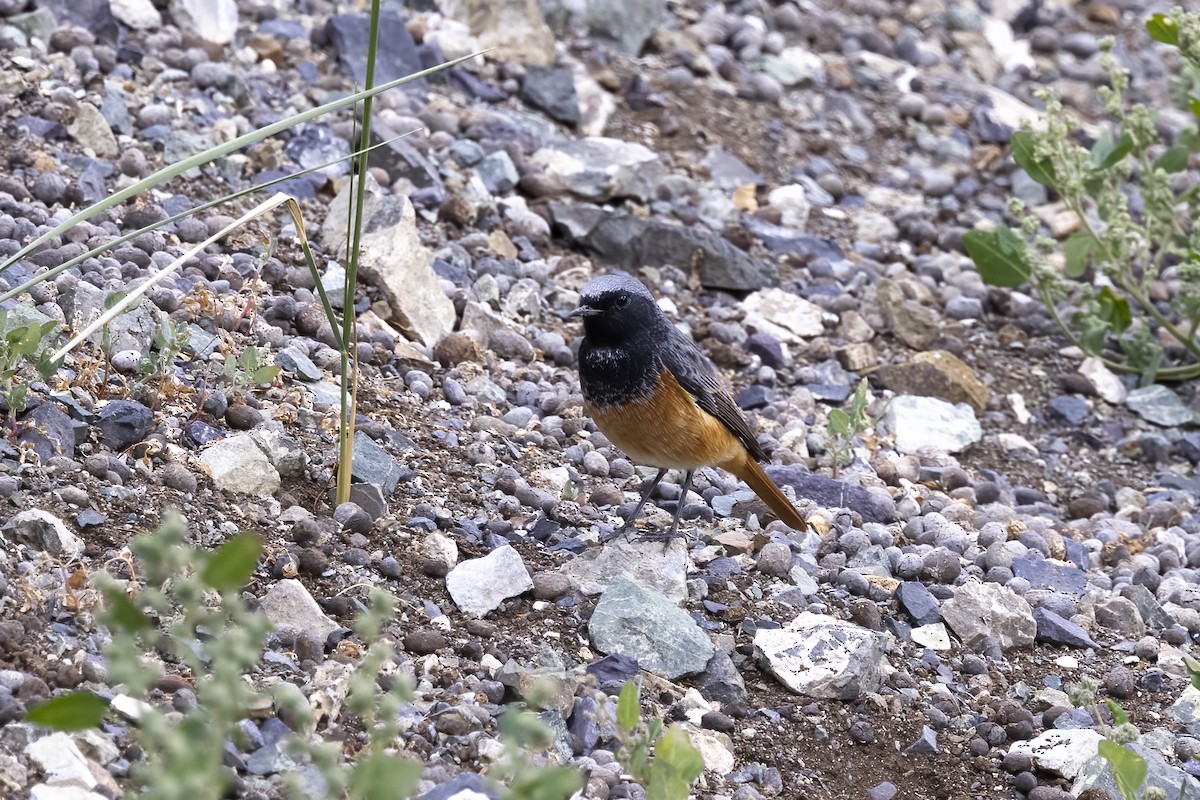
(1136, 226)
(665, 762)
(22, 346)
(251, 367)
(1129, 769)
(156, 370)
(844, 426)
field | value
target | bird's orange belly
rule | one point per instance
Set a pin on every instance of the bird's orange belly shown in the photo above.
(667, 429)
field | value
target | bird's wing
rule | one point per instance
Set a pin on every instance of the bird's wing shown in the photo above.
(698, 376)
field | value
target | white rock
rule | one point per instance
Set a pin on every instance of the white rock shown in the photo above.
(934, 636)
(1107, 385)
(238, 464)
(212, 20)
(61, 761)
(44, 791)
(139, 14)
(598, 168)
(395, 260)
(438, 546)
(1014, 441)
(1060, 751)
(715, 748)
(514, 30)
(479, 585)
(793, 205)
(130, 708)
(43, 530)
(979, 610)
(786, 316)
(648, 563)
(91, 130)
(919, 422)
(823, 657)
(288, 604)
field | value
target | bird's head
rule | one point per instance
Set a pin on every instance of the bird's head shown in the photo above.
(617, 307)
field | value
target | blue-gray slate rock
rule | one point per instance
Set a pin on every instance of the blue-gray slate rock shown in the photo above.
(49, 431)
(631, 242)
(1148, 606)
(624, 25)
(1043, 574)
(642, 624)
(396, 56)
(612, 671)
(465, 784)
(918, 602)
(372, 465)
(722, 682)
(1053, 629)
(123, 423)
(830, 493)
(552, 89)
(1174, 782)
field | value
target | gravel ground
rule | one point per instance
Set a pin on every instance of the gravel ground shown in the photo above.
(792, 181)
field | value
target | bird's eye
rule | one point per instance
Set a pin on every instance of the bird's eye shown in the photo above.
(622, 301)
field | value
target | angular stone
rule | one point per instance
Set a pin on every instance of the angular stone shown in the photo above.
(1063, 752)
(1121, 615)
(513, 30)
(819, 656)
(1158, 404)
(1043, 573)
(624, 25)
(238, 464)
(600, 169)
(49, 431)
(640, 623)
(918, 602)
(664, 571)
(552, 89)
(786, 316)
(373, 465)
(287, 604)
(212, 20)
(934, 637)
(936, 373)
(1173, 782)
(1148, 607)
(1103, 381)
(1055, 629)
(124, 423)
(920, 422)
(395, 260)
(44, 531)
(90, 129)
(396, 56)
(989, 610)
(137, 14)
(480, 585)
(722, 682)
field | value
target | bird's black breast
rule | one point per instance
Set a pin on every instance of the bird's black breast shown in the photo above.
(616, 374)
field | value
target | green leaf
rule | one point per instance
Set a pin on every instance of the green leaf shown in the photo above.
(1114, 310)
(1163, 29)
(628, 709)
(839, 422)
(123, 614)
(1194, 105)
(1092, 333)
(998, 262)
(77, 711)
(1042, 170)
(1078, 248)
(112, 298)
(1118, 714)
(547, 783)
(233, 564)
(384, 775)
(1174, 160)
(265, 374)
(1128, 767)
(1107, 152)
(676, 765)
(1188, 137)
(1193, 668)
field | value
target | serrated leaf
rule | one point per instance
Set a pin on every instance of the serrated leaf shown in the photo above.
(1108, 152)
(839, 422)
(77, 711)
(233, 563)
(1042, 170)
(627, 707)
(1128, 767)
(384, 775)
(1174, 160)
(998, 265)
(1077, 248)
(1163, 29)
(122, 613)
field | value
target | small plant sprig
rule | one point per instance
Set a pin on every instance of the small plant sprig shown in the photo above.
(249, 369)
(1129, 769)
(1137, 226)
(845, 426)
(665, 762)
(156, 370)
(22, 346)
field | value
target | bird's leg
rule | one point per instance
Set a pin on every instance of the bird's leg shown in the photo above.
(645, 498)
(683, 492)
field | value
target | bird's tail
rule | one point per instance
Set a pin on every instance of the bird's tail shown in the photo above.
(749, 470)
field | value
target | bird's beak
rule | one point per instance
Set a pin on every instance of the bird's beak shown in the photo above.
(584, 311)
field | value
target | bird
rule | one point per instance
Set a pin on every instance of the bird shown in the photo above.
(657, 397)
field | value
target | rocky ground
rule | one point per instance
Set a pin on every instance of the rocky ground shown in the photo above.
(793, 181)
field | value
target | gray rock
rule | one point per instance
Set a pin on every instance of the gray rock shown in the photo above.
(238, 464)
(1186, 710)
(822, 657)
(632, 243)
(124, 423)
(214, 20)
(373, 465)
(498, 172)
(287, 604)
(1044, 574)
(624, 25)
(1148, 606)
(514, 30)
(600, 169)
(137, 14)
(1070, 408)
(989, 610)
(1054, 629)
(479, 585)
(640, 623)
(775, 559)
(401, 158)
(722, 682)
(664, 571)
(49, 431)
(831, 493)
(552, 89)
(1096, 773)
(90, 129)
(44, 531)
(926, 743)
(396, 57)
(1121, 615)
(918, 602)
(299, 364)
(919, 422)
(1158, 404)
